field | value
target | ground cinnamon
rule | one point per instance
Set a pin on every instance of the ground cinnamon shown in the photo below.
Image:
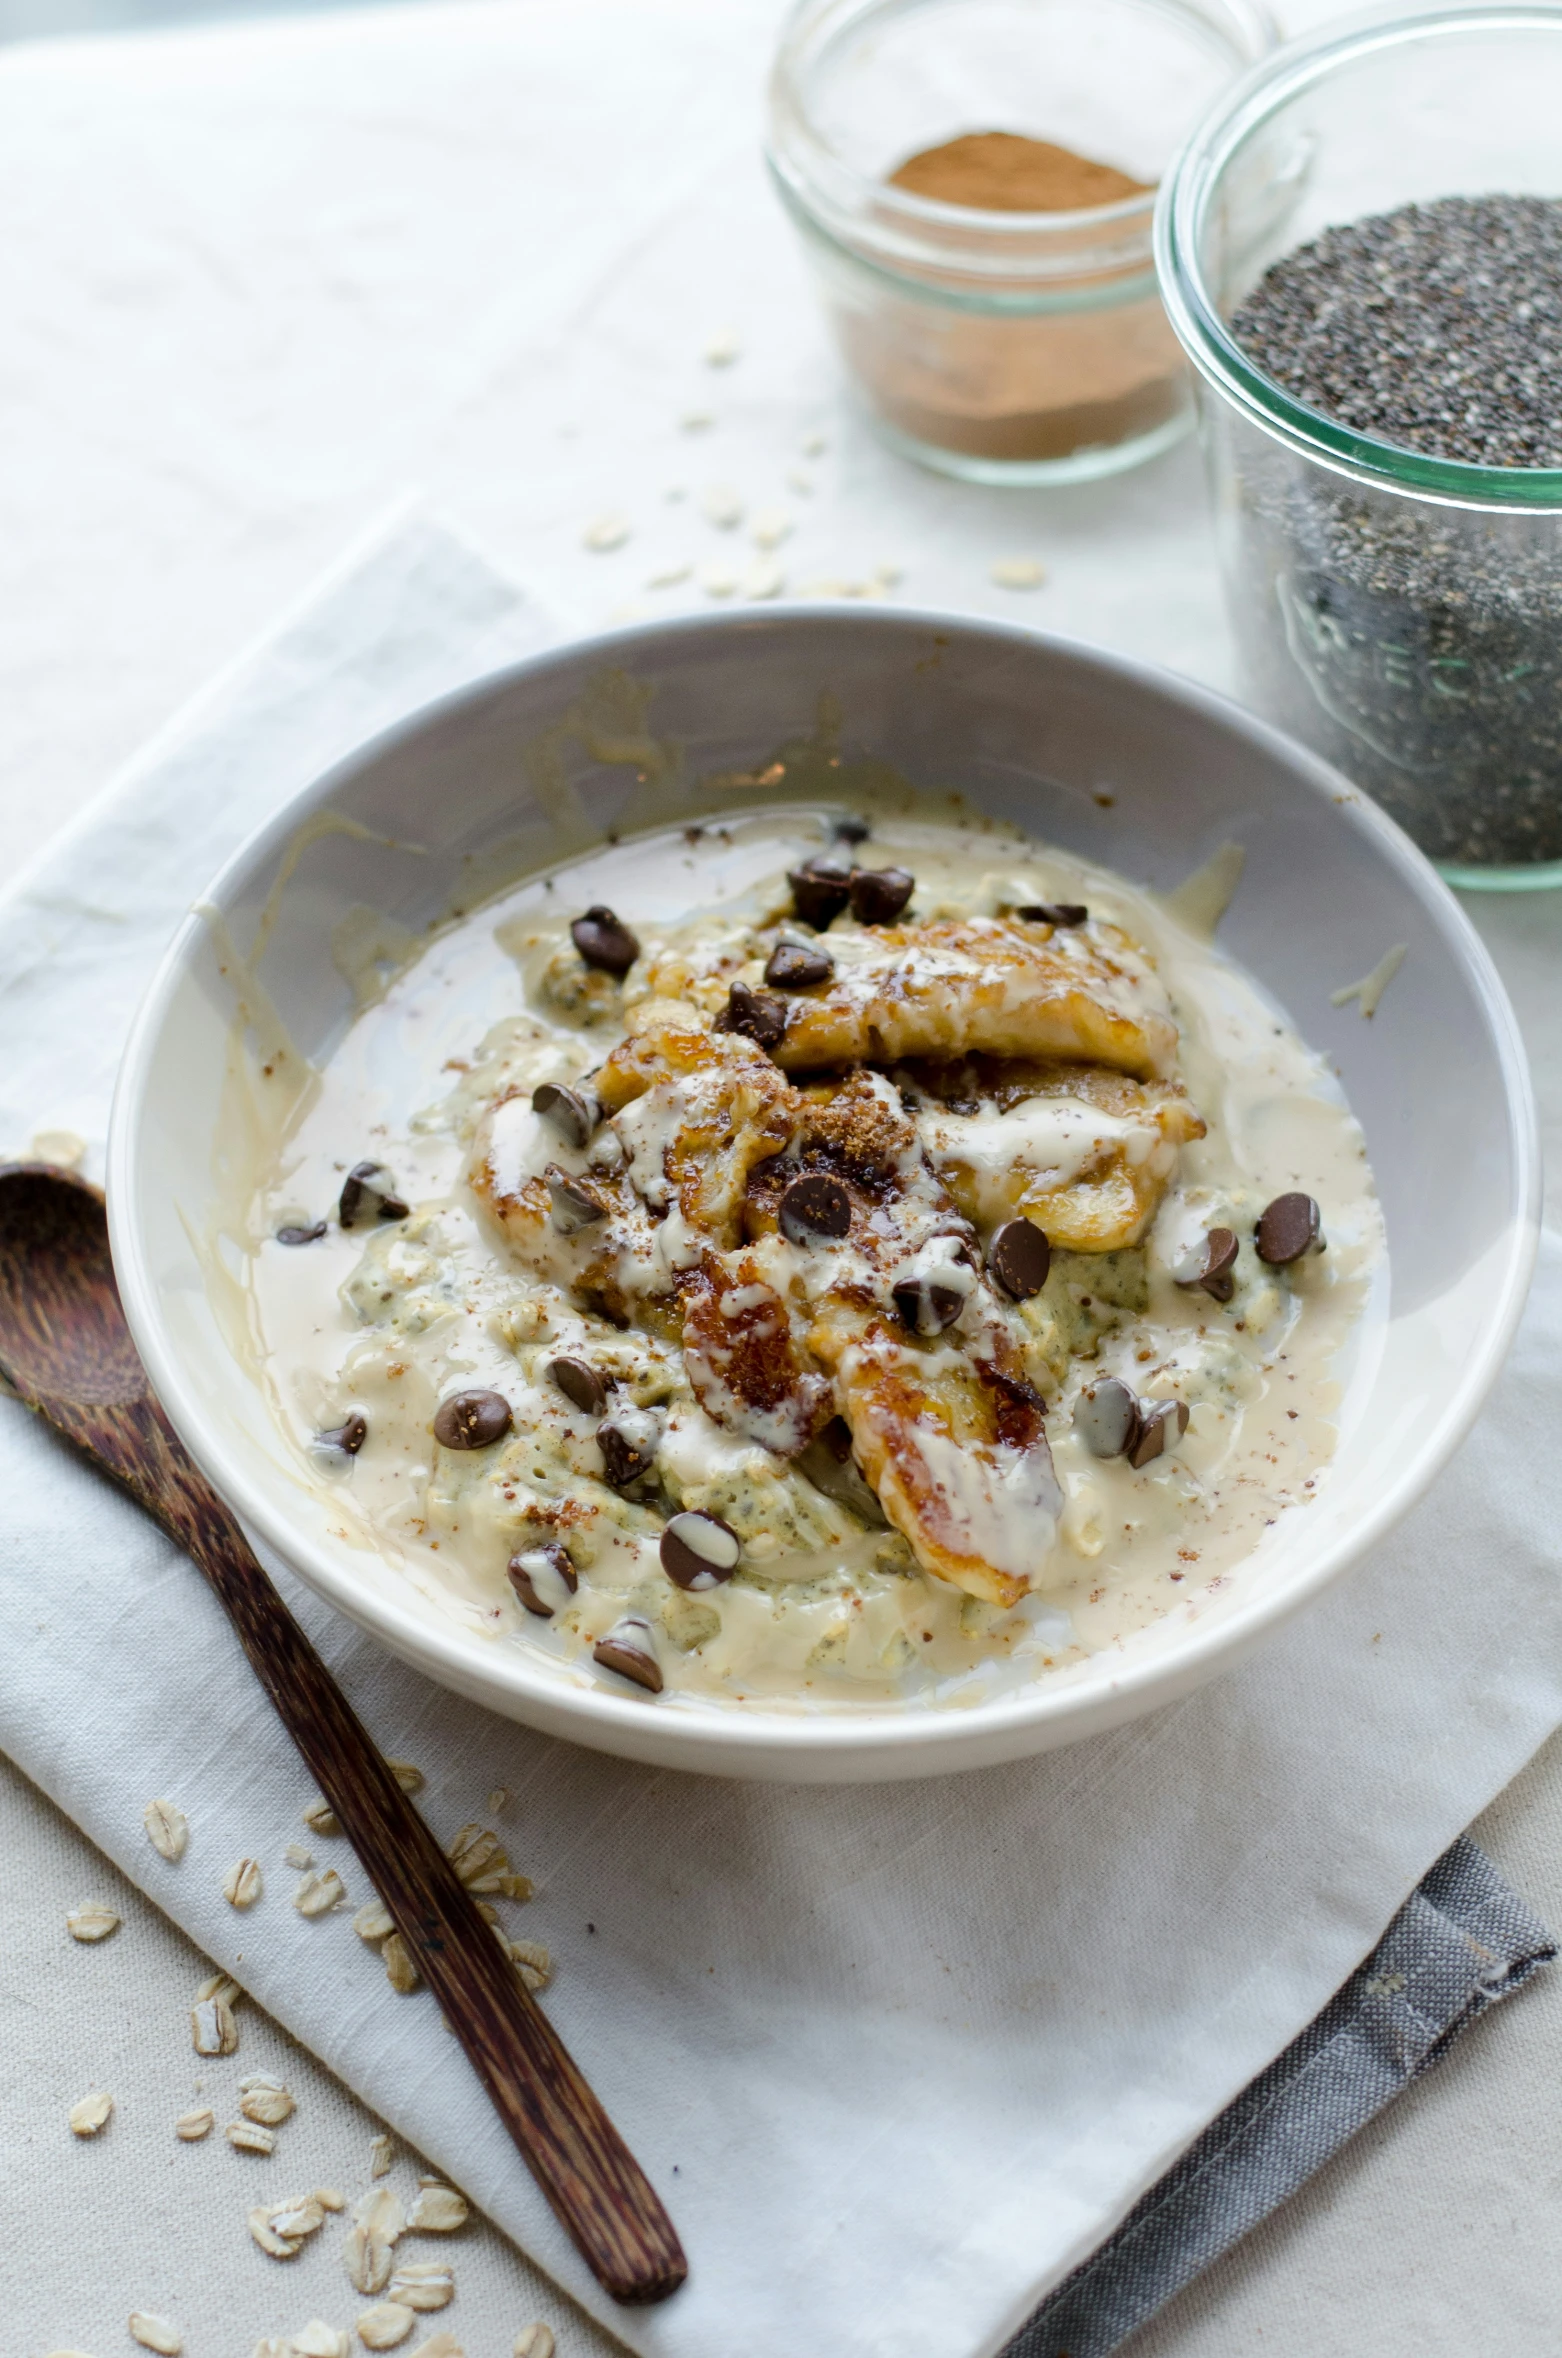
(1001, 172)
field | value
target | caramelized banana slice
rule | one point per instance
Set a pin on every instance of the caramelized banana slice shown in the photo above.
(953, 1445)
(1086, 1154)
(695, 1112)
(983, 984)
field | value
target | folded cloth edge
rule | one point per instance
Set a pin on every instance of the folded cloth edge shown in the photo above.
(1462, 1941)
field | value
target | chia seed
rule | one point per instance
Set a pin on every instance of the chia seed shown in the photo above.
(1417, 644)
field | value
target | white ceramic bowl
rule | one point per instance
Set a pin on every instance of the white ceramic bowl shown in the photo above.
(1111, 758)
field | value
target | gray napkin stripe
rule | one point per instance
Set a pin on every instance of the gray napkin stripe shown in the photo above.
(1461, 1941)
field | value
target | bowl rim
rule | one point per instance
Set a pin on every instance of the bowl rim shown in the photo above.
(923, 1740)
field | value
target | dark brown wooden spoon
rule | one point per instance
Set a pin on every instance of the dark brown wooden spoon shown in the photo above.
(66, 1351)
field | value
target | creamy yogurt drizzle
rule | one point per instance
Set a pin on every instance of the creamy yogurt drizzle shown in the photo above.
(828, 1609)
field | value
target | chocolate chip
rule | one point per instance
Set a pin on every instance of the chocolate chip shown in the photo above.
(543, 1578)
(1106, 1417)
(346, 1439)
(925, 1305)
(574, 1113)
(791, 967)
(604, 940)
(699, 1550)
(1288, 1228)
(852, 830)
(1054, 913)
(369, 1193)
(814, 1205)
(1018, 1259)
(1161, 1422)
(575, 1204)
(879, 894)
(820, 890)
(757, 1014)
(580, 1384)
(1209, 1265)
(630, 1649)
(472, 1420)
(294, 1235)
(627, 1454)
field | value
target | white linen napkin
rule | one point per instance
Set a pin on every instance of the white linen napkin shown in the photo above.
(897, 2057)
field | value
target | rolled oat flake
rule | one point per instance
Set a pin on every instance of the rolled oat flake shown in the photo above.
(699, 1551)
(543, 1578)
(574, 1113)
(472, 1420)
(630, 1649)
(1287, 1229)
(605, 941)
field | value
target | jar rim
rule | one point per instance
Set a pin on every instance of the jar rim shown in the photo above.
(914, 229)
(1189, 189)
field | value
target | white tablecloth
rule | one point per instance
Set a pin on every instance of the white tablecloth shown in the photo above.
(256, 286)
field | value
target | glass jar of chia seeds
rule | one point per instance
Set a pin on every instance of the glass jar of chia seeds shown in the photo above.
(1392, 558)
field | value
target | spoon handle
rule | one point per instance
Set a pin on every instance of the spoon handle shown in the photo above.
(599, 2193)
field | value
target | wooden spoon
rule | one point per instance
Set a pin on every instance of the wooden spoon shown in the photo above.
(66, 1351)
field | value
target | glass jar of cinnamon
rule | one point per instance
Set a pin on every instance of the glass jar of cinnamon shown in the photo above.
(974, 182)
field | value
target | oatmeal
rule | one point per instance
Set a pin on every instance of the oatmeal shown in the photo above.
(780, 1262)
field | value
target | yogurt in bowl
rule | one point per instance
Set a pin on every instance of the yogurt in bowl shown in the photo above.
(851, 1327)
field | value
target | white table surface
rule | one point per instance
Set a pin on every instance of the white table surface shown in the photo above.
(258, 285)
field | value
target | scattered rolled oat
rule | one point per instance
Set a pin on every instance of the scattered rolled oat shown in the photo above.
(604, 534)
(722, 506)
(319, 2340)
(814, 445)
(440, 2345)
(274, 2345)
(374, 1922)
(505, 1882)
(423, 2284)
(764, 579)
(532, 1962)
(697, 421)
(534, 2341)
(320, 1817)
(295, 1855)
(91, 2114)
(798, 479)
(155, 2333)
(668, 578)
(382, 2155)
(242, 1884)
(191, 2127)
(378, 2219)
(282, 2228)
(474, 1850)
(66, 1147)
(219, 1985)
(771, 527)
(400, 1971)
(437, 2210)
(214, 2028)
(319, 1892)
(167, 1828)
(1018, 573)
(264, 2099)
(498, 1799)
(383, 2326)
(330, 2198)
(249, 2137)
(380, 2213)
(93, 1922)
(718, 581)
(723, 348)
(410, 1778)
